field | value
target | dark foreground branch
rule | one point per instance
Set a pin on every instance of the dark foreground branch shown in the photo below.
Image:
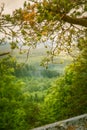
(5, 53)
(77, 21)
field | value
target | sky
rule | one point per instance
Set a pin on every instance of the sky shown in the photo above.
(11, 5)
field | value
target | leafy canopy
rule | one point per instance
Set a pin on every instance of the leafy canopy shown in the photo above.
(59, 22)
(67, 96)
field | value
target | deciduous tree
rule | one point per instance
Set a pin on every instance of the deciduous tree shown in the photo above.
(59, 22)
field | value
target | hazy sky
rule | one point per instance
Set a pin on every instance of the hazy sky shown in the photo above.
(11, 5)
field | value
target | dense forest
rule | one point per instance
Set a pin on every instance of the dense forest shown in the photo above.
(32, 95)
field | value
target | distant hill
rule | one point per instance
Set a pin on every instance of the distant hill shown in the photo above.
(35, 57)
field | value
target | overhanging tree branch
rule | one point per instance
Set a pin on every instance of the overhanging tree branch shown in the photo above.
(78, 21)
(5, 53)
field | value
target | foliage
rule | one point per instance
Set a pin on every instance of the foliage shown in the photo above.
(17, 110)
(67, 96)
(29, 102)
(50, 73)
(61, 26)
(12, 113)
(47, 20)
(34, 71)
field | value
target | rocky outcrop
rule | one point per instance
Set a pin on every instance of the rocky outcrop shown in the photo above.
(75, 123)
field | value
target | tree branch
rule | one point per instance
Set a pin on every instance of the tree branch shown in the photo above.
(78, 21)
(5, 53)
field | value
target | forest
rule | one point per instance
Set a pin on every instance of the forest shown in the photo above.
(42, 86)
